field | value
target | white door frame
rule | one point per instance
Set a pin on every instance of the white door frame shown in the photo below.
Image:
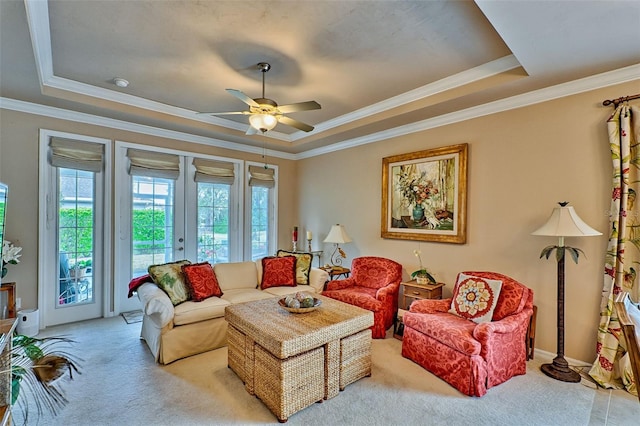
(48, 265)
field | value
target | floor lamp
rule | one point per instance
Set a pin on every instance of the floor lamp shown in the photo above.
(564, 222)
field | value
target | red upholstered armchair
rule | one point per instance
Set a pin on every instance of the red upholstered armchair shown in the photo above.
(373, 285)
(469, 356)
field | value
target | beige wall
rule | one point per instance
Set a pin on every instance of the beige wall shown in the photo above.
(521, 163)
(19, 135)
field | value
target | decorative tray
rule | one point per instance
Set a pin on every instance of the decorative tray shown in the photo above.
(316, 305)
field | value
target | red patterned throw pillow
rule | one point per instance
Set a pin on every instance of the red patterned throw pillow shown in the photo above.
(202, 281)
(278, 272)
(475, 298)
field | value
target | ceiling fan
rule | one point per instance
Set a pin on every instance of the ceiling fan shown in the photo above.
(264, 113)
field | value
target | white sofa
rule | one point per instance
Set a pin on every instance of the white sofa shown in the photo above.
(174, 332)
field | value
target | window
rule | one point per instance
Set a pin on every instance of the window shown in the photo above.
(262, 207)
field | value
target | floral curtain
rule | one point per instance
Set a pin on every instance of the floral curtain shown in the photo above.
(612, 368)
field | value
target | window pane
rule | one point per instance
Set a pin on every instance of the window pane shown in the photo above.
(152, 222)
(213, 222)
(75, 236)
(259, 222)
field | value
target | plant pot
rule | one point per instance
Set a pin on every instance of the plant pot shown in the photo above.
(78, 273)
(422, 279)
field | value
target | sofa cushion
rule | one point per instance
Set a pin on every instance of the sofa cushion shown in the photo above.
(190, 312)
(236, 275)
(169, 277)
(453, 331)
(241, 295)
(201, 281)
(278, 272)
(303, 265)
(475, 298)
(363, 297)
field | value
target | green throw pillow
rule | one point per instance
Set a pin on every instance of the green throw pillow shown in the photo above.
(169, 277)
(303, 265)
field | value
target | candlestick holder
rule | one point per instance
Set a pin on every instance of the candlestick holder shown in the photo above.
(295, 245)
(309, 244)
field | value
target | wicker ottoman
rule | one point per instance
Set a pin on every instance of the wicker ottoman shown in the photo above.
(287, 386)
(290, 361)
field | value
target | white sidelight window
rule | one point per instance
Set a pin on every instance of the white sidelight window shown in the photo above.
(261, 198)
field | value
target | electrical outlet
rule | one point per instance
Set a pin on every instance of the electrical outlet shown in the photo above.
(18, 303)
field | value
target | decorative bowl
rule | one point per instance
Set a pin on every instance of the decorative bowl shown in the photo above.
(316, 305)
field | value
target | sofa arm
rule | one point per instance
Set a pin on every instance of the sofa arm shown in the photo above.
(340, 284)
(387, 292)
(156, 304)
(317, 279)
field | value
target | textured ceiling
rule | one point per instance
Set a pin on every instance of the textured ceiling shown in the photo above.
(373, 66)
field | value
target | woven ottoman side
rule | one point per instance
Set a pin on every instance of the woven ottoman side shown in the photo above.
(287, 386)
(355, 357)
(236, 349)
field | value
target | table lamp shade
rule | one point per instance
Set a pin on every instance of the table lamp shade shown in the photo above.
(565, 222)
(337, 235)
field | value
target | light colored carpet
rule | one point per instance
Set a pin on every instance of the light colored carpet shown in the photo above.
(121, 385)
(132, 317)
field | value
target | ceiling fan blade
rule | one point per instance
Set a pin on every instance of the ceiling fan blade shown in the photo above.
(226, 113)
(295, 123)
(251, 131)
(301, 106)
(244, 98)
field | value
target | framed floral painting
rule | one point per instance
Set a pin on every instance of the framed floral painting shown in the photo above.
(424, 195)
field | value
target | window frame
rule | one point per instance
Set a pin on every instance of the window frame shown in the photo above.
(272, 237)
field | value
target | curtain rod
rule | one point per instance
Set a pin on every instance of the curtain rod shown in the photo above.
(615, 102)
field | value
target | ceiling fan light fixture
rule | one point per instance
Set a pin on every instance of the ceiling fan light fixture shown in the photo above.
(263, 122)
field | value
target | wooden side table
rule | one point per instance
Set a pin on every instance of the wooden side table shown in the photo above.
(8, 310)
(336, 271)
(411, 291)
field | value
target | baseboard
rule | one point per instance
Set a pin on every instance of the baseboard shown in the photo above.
(572, 362)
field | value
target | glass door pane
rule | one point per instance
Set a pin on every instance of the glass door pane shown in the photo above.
(76, 208)
(152, 223)
(213, 222)
(259, 222)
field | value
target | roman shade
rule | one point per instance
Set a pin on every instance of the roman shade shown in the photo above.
(153, 164)
(212, 171)
(260, 176)
(75, 154)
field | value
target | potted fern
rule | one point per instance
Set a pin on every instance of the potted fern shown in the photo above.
(36, 365)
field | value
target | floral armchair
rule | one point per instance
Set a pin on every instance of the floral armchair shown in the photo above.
(373, 285)
(470, 356)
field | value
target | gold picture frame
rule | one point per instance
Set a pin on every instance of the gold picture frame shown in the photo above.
(424, 195)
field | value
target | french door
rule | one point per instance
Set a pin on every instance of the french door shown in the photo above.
(175, 207)
(73, 267)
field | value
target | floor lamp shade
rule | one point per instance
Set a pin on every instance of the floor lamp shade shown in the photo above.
(564, 222)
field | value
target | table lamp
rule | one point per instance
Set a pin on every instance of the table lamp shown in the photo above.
(337, 235)
(564, 222)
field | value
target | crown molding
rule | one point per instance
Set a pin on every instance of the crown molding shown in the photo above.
(80, 117)
(457, 80)
(622, 75)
